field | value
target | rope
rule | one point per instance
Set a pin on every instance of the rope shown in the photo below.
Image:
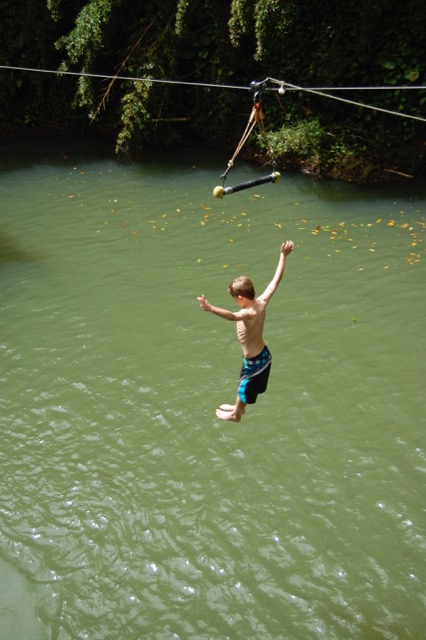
(256, 117)
(249, 128)
(285, 85)
(282, 87)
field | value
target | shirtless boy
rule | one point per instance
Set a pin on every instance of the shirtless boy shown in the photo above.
(250, 321)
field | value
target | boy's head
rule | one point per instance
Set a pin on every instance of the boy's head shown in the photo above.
(242, 286)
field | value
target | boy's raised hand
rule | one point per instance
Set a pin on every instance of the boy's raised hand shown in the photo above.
(204, 304)
(287, 247)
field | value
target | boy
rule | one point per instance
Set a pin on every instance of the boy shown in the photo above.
(250, 320)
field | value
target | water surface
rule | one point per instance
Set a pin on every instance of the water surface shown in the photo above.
(127, 510)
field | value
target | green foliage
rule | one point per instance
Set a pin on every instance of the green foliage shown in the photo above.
(134, 115)
(321, 151)
(88, 36)
(321, 43)
(303, 139)
(181, 8)
(241, 20)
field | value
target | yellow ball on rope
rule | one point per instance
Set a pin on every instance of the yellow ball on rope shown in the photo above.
(218, 192)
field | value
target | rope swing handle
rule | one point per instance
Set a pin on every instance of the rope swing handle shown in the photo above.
(219, 192)
(256, 118)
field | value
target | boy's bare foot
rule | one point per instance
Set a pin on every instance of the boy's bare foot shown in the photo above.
(227, 414)
(230, 407)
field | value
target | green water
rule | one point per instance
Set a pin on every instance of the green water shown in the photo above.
(127, 509)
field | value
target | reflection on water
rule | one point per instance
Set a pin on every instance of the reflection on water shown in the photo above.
(10, 251)
(127, 509)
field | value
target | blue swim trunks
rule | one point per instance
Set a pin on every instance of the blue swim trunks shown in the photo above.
(254, 376)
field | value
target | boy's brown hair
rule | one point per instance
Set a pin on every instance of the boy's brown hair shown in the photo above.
(242, 286)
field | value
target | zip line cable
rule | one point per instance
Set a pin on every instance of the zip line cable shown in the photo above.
(285, 85)
(282, 87)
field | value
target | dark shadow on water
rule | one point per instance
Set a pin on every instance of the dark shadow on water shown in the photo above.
(10, 251)
(56, 151)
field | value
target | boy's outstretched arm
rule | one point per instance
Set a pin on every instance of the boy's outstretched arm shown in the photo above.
(286, 249)
(222, 313)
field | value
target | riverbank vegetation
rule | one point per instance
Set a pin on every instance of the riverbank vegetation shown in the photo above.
(206, 46)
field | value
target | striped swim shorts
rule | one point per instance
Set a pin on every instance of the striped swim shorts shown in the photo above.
(254, 376)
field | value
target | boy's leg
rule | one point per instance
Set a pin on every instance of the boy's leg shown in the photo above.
(231, 412)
